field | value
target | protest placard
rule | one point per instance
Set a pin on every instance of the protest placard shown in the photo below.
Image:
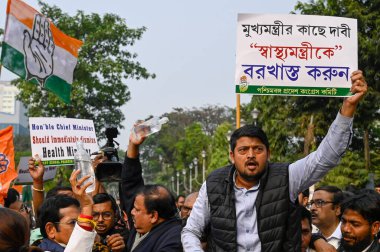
(54, 139)
(24, 177)
(302, 55)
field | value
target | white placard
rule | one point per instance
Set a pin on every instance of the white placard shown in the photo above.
(54, 139)
(24, 177)
(295, 54)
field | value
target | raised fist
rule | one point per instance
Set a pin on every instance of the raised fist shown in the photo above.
(39, 50)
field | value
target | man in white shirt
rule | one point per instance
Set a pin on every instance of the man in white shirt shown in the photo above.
(325, 212)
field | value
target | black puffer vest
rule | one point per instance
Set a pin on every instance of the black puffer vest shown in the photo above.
(279, 223)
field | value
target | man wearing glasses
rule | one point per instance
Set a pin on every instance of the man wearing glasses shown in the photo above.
(188, 206)
(325, 213)
(107, 216)
(65, 222)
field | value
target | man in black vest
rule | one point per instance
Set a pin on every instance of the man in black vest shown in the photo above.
(251, 205)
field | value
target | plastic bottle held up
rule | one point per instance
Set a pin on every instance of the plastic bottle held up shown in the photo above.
(82, 161)
(149, 127)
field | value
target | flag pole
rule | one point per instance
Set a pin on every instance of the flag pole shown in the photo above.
(5, 30)
(237, 111)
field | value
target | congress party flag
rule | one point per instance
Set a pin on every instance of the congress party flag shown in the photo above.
(34, 49)
(7, 161)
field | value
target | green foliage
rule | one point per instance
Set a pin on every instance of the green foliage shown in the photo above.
(105, 62)
(351, 171)
(180, 141)
(368, 15)
(219, 149)
(375, 152)
(190, 146)
(284, 132)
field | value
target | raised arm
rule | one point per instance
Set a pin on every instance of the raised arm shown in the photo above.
(37, 174)
(309, 170)
(83, 235)
(131, 175)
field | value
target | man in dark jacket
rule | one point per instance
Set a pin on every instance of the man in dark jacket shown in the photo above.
(156, 227)
(251, 205)
(151, 209)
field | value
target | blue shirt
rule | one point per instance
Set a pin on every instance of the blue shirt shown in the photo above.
(302, 174)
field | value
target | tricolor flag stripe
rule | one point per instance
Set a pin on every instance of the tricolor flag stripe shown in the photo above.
(13, 59)
(64, 62)
(36, 50)
(25, 14)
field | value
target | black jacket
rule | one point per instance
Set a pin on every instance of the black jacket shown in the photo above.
(131, 182)
(375, 247)
(165, 237)
(278, 218)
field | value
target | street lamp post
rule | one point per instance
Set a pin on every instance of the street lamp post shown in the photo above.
(228, 136)
(255, 114)
(190, 179)
(195, 162)
(177, 174)
(172, 183)
(203, 165)
(184, 180)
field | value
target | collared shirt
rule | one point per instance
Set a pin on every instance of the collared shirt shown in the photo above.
(302, 174)
(245, 211)
(334, 238)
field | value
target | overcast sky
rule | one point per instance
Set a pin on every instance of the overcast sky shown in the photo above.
(189, 45)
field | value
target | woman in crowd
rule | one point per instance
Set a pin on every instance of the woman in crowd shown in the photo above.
(14, 232)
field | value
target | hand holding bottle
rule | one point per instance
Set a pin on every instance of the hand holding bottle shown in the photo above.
(149, 127)
(82, 161)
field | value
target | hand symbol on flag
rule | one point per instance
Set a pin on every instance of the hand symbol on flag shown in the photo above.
(3, 163)
(39, 50)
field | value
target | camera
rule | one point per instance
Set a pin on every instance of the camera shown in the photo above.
(110, 169)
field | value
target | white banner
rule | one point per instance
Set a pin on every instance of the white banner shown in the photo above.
(295, 54)
(54, 139)
(24, 177)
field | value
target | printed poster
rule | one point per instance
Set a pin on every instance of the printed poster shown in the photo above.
(302, 55)
(54, 139)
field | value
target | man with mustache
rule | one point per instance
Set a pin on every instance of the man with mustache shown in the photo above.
(251, 205)
(360, 223)
(110, 226)
(325, 213)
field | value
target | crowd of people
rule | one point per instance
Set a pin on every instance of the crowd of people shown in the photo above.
(250, 204)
